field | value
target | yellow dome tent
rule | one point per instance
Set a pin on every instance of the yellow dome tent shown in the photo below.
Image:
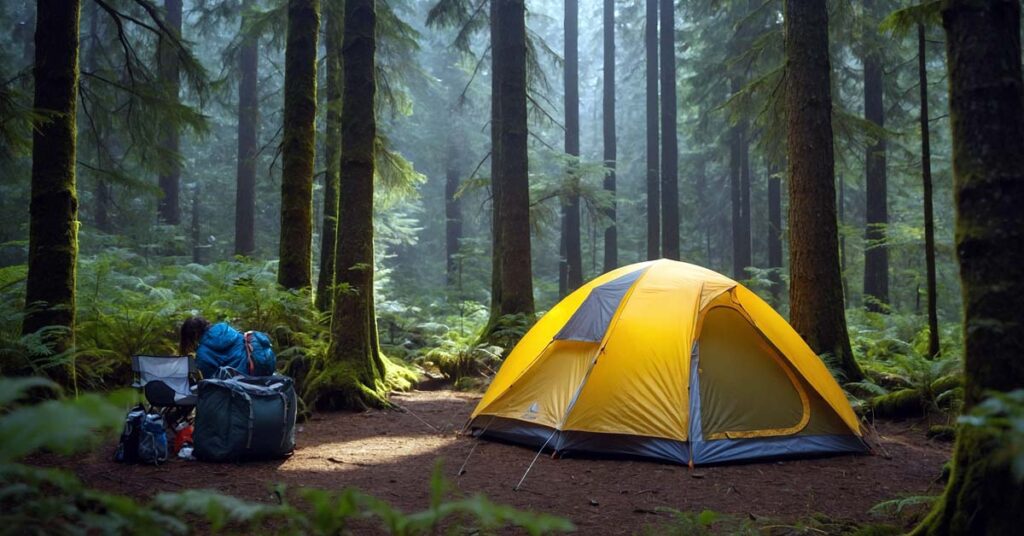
(671, 361)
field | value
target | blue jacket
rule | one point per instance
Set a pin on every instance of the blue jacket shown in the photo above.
(223, 346)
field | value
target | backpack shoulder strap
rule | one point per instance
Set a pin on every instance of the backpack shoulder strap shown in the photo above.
(248, 352)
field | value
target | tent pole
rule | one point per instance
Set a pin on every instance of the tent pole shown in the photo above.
(462, 469)
(521, 480)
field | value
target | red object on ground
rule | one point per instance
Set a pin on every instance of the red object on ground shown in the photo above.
(183, 436)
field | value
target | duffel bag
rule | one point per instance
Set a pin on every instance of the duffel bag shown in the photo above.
(244, 418)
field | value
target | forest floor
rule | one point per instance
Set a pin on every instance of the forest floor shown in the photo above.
(391, 454)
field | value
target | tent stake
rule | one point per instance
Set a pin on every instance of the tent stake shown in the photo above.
(521, 480)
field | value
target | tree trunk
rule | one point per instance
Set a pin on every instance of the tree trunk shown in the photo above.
(775, 234)
(815, 293)
(196, 230)
(452, 211)
(842, 235)
(248, 125)
(611, 239)
(298, 147)
(354, 375)
(332, 156)
(571, 266)
(653, 186)
(169, 207)
(669, 141)
(926, 179)
(53, 205)
(511, 277)
(987, 116)
(102, 203)
(876, 253)
(739, 188)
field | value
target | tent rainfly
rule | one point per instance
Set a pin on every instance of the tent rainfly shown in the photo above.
(670, 361)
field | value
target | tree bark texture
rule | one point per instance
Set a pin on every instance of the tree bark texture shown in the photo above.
(611, 237)
(571, 266)
(53, 205)
(653, 184)
(169, 206)
(876, 253)
(987, 115)
(248, 134)
(511, 278)
(333, 16)
(669, 137)
(298, 147)
(926, 179)
(816, 291)
(354, 377)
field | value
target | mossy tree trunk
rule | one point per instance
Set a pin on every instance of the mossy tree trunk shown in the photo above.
(926, 180)
(248, 134)
(169, 206)
(611, 236)
(816, 291)
(571, 265)
(332, 154)
(298, 147)
(987, 115)
(669, 137)
(353, 375)
(876, 253)
(653, 163)
(53, 205)
(511, 277)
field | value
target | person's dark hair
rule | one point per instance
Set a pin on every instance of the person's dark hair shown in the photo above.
(191, 331)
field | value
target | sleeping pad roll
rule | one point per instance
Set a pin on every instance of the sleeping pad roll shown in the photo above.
(245, 418)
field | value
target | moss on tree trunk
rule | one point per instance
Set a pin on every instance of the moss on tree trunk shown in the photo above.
(926, 180)
(987, 116)
(332, 155)
(816, 289)
(354, 374)
(53, 206)
(512, 276)
(248, 125)
(299, 145)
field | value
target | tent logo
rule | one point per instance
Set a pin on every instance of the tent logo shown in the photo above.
(531, 412)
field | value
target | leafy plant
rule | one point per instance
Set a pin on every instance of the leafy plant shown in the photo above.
(459, 357)
(36, 500)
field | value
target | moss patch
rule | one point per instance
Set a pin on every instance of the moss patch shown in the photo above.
(899, 404)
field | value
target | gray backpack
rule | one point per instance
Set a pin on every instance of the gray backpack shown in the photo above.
(245, 418)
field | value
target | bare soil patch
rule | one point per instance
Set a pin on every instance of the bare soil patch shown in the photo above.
(391, 454)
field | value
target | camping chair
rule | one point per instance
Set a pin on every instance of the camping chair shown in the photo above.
(166, 382)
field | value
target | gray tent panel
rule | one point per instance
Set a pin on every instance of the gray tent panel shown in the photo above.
(591, 319)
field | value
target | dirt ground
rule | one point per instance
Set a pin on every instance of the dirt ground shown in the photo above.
(391, 454)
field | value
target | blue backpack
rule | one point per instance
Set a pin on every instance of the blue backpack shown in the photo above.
(143, 439)
(153, 440)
